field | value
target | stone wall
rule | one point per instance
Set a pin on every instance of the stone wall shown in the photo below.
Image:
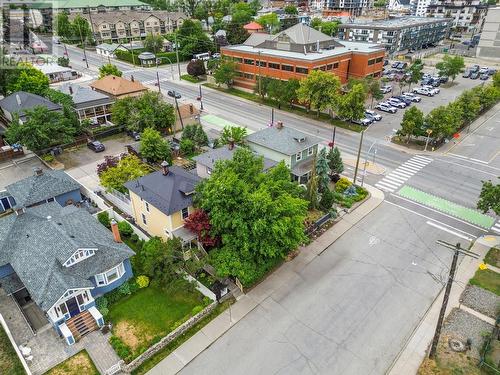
(128, 368)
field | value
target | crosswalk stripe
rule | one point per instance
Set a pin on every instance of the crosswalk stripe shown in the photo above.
(395, 179)
(496, 230)
(384, 188)
(391, 185)
(402, 174)
(419, 161)
(420, 166)
(410, 167)
(406, 171)
(423, 158)
(497, 224)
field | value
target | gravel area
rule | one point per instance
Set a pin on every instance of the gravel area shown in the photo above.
(481, 300)
(462, 325)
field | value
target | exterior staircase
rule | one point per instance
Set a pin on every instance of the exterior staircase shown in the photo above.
(81, 324)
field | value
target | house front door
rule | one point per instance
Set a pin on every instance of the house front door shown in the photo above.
(73, 307)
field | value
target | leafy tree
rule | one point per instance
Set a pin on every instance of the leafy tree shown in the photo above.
(109, 162)
(440, 121)
(42, 129)
(145, 111)
(236, 34)
(161, 260)
(412, 123)
(373, 89)
(335, 161)
(154, 147)
(234, 134)
(327, 200)
(456, 113)
(196, 68)
(380, 4)
(322, 171)
(352, 104)
(270, 22)
(496, 80)
(109, 69)
(489, 199)
(29, 79)
(451, 66)
(187, 147)
(415, 71)
(319, 90)
(196, 134)
(326, 27)
(488, 95)
(225, 73)
(199, 222)
(291, 9)
(63, 61)
(242, 13)
(153, 43)
(469, 102)
(127, 169)
(81, 29)
(312, 187)
(190, 6)
(59, 97)
(258, 216)
(63, 26)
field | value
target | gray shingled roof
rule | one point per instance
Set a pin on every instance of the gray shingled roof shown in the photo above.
(286, 140)
(28, 101)
(209, 158)
(36, 246)
(84, 96)
(34, 189)
(165, 192)
(302, 34)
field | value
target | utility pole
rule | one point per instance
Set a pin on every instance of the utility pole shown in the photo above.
(201, 100)
(333, 136)
(260, 78)
(457, 250)
(83, 45)
(177, 57)
(357, 159)
(179, 112)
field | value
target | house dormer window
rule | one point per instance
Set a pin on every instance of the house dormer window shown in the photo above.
(78, 256)
(310, 151)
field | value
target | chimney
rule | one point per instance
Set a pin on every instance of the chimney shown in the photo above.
(131, 78)
(18, 99)
(164, 166)
(116, 232)
(37, 171)
(279, 125)
(230, 145)
(70, 90)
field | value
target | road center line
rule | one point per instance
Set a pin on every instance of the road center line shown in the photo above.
(435, 225)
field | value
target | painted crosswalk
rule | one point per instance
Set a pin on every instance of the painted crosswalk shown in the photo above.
(400, 175)
(496, 227)
(153, 81)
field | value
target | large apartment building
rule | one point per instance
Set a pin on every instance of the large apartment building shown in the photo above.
(466, 15)
(398, 34)
(353, 7)
(489, 44)
(119, 26)
(296, 51)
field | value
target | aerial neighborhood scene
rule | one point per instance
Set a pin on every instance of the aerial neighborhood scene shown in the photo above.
(250, 187)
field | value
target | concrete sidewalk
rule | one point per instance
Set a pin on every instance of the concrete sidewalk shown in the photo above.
(246, 303)
(411, 356)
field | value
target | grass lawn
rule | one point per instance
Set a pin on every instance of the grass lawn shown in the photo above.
(493, 257)
(9, 362)
(297, 110)
(141, 319)
(79, 364)
(154, 360)
(487, 279)
(190, 78)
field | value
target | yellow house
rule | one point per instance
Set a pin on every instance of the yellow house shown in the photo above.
(161, 201)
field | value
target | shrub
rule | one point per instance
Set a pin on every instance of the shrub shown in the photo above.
(347, 202)
(101, 302)
(113, 296)
(104, 311)
(103, 218)
(326, 202)
(125, 228)
(342, 184)
(142, 281)
(124, 289)
(120, 348)
(337, 197)
(133, 286)
(49, 158)
(189, 78)
(196, 310)
(206, 301)
(134, 237)
(187, 146)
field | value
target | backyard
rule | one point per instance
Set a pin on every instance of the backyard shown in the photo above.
(9, 362)
(80, 363)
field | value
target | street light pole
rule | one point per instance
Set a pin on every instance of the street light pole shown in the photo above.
(357, 159)
(366, 161)
(201, 100)
(333, 136)
(177, 56)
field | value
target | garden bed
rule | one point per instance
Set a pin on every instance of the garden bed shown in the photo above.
(493, 257)
(79, 364)
(487, 279)
(192, 79)
(9, 361)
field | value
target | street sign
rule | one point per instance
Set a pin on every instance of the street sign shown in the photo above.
(429, 131)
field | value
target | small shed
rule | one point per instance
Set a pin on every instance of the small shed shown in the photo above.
(147, 58)
(253, 27)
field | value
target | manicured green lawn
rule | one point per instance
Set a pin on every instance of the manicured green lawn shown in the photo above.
(487, 279)
(80, 363)
(493, 257)
(141, 319)
(9, 361)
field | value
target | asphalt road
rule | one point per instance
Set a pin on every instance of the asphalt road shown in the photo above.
(351, 311)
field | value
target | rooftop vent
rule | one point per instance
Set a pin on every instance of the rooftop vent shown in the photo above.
(300, 140)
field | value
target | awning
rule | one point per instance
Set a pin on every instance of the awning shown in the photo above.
(303, 167)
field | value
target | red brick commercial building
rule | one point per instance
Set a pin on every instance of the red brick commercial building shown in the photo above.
(294, 52)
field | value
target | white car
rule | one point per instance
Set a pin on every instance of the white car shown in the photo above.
(423, 91)
(386, 107)
(386, 89)
(369, 113)
(435, 90)
(396, 103)
(412, 96)
(484, 70)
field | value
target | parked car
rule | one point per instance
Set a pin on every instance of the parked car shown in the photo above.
(386, 89)
(134, 135)
(395, 64)
(443, 79)
(474, 68)
(484, 77)
(96, 146)
(174, 94)
(386, 62)
(215, 56)
(370, 113)
(403, 99)
(386, 107)
(402, 65)
(474, 75)
(466, 74)
(364, 121)
(423, 91)
(412, 96)
(491, 71)
(435, 90)
(396, 103)
(484, 70)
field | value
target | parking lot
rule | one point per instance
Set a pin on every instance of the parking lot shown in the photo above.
(448, 92)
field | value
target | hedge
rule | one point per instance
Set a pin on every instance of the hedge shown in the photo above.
(127, 56)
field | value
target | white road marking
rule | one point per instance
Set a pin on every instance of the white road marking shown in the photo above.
(458, 156)
(395, 179)
(399, 174)
(428, 160)
(391, 190)
(480, 161)
(403, 172)
(390, 184)
(495, 229)
(435, 225)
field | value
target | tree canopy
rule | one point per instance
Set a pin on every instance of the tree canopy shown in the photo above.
(319, 90)
(27, 78)
(153, 43)
(270, 22)
(412, 123)
(154, 147)
(326, 27)
(196, 68)
(489, 199)
(225, 72)
(291, 9)
(451, 66)
(352, 104)
(233, 134)
(108, 70)
(127, 169)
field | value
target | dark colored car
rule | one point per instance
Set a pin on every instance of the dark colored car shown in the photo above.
(466, 74)
(474, 68)
(403, 99)
(386, 62)
(484, 77)
(96, 146)
(174, 94)
(134, 135)
(395, 64)
(402, 65)
(443, 79)
(491, 71)
(474, 75)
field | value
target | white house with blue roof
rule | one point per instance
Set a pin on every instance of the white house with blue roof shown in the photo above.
(58, 255)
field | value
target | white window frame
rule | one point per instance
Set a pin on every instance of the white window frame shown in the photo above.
(182, 213)
(78, 256)
(310, 151)
(298, 156)
(102, 279)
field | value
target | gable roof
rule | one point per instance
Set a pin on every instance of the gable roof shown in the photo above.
(286, 140)
(21, 101)
(36, 242)
(37, 188)
(253, 26)
(166, 193)
(85, 95)
(302, 34)
(114, 85)
(211, 157)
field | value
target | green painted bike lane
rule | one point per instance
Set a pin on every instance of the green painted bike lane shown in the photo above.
(468, 214)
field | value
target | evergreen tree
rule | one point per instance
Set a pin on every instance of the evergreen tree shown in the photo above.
(335, 161)
(312, 188)
(322, 171)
